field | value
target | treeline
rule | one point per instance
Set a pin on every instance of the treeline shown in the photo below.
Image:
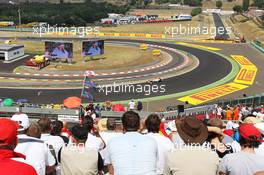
(140, 3)
(61, 14)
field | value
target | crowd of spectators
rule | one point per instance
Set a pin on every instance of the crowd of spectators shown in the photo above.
(136, 146)
(238, 112)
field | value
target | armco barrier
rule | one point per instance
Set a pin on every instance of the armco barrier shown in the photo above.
(257, 47)
(54, 113)
(15, 109)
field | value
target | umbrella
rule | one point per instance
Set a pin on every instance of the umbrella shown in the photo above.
(118, 108)
(72, 102)
(8, 102)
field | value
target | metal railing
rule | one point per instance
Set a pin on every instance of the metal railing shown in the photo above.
(255, 100)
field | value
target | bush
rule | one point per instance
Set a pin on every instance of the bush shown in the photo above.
(219, 4)
(196, 11)
(238, 8)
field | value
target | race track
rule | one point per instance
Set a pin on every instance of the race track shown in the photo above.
(212, 68)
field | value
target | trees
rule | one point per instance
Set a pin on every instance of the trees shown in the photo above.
(245, 5)
(238, 8)
(69, 14)
(192, 2)
(196, 11)
(146, 2)
(219, 4)
(258, 3)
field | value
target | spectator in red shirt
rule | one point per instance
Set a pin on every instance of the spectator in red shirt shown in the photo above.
(8, 142)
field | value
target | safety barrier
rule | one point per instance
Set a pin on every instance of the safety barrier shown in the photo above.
(36, 113)
(257, 46)
(257, 99)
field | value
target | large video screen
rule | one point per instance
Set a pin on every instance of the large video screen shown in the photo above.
(58, 49)
(93, 48)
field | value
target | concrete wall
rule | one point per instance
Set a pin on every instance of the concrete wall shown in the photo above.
(14, 54)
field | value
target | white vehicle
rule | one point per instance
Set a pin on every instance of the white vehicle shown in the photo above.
(184, 17)
(114, 15)
(125, 20)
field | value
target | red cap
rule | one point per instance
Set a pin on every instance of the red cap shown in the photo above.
(246, 130)
(8, 131)
(229, 132)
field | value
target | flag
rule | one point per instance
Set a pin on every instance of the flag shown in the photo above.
(88, 85)
(87, 94)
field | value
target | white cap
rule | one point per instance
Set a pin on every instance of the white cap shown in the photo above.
(260, 126)
(22, 120)
(255, 113)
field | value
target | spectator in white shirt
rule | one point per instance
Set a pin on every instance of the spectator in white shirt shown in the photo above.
(54, 142)
(94, 140)
(219, 111)
(132, 105)
(260, 149)
(37, 153)
(132, 153)
(165, 145)
(107, 129)
(246, 161)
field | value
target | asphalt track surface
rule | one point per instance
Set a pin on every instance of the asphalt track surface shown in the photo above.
(219, 23)
(212, 68)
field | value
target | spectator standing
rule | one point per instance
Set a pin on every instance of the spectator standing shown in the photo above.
(8, 142)
(65, 130)
(76, 159)
(54, 142)
(191, 158)
(214, 139)
(139, 106)
(236, 112)
(260, 149)
(94, 140)
(107, 129)
(219, 112)
(36, 151)
(56, 130)
(164, 144)
(225, 136)
(131, 105)
(229, 113)
(246, 161)
(245, 111)
(132, 153)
